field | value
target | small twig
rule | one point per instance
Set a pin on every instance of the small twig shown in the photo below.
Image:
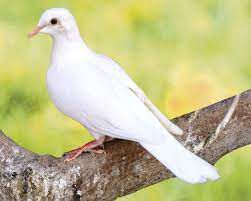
(226, 119)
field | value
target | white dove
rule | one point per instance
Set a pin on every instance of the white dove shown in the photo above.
(93, 90)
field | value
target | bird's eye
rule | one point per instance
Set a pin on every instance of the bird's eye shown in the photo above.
(54, 21)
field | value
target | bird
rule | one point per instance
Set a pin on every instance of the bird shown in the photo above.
(95, 91)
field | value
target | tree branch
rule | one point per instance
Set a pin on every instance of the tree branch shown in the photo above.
(210, 132)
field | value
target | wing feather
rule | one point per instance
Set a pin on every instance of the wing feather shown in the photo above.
(113, 70)
(114, 110)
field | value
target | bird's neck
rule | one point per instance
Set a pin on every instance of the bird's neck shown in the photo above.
(67, 45)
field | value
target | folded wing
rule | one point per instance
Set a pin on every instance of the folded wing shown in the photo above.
(113, 70)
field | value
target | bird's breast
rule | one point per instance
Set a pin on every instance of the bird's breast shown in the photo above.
(63, 87)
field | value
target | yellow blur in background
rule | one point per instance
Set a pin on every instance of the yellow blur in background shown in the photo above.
(183, 54)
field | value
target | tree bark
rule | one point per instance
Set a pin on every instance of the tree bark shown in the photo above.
(211, 133)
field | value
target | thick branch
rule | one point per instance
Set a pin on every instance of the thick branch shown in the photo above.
(210, 132)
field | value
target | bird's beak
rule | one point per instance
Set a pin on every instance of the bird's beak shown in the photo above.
(35, 31)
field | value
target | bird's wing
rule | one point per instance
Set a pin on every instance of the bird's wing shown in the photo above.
(113, 70)
(110, 108)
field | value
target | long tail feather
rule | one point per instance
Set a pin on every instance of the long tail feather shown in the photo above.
(181, 162)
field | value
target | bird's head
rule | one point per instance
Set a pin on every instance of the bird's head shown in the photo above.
(56, 22)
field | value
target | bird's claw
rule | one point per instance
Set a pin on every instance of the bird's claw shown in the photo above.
(95, 146)
(69, 156)
(97, 151)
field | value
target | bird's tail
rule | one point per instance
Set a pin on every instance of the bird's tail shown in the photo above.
(181, 162)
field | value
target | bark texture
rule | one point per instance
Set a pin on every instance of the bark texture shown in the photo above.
(210, 132)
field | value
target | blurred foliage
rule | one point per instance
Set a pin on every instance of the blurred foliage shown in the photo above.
(184, 54)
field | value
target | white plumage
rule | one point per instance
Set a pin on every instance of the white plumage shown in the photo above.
(93, 90)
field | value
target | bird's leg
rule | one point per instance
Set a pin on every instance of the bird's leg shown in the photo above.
(108, 138)
(90, 146)
(101, 151)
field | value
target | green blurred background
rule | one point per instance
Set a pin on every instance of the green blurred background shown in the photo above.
(184, 54)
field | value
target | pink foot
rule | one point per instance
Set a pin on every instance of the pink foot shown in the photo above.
(90, 146)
